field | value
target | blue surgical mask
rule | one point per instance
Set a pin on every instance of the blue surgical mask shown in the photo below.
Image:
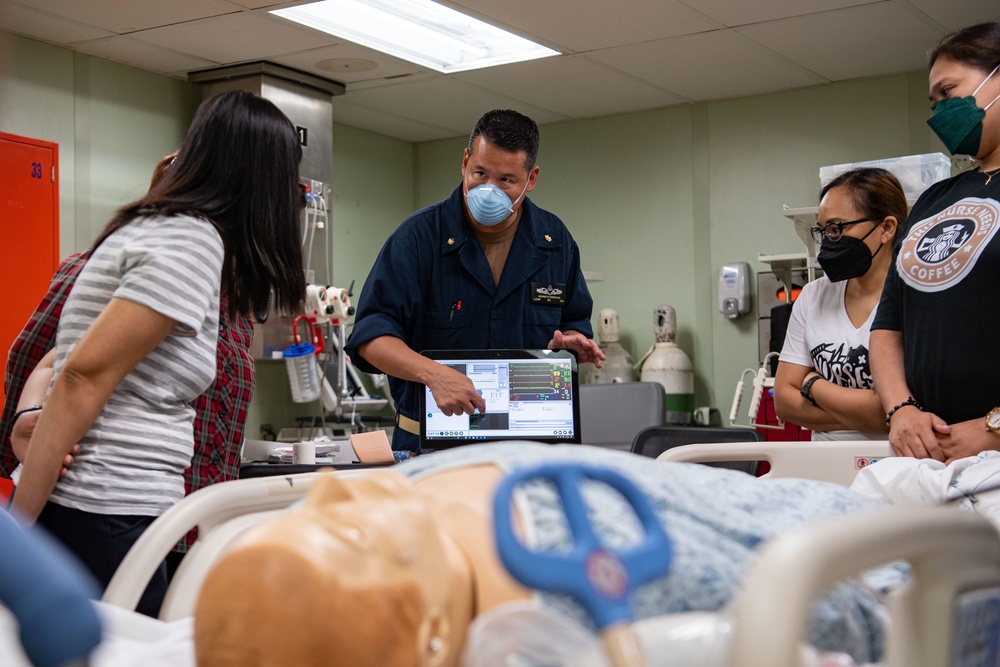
(489, 205)
(958, 121)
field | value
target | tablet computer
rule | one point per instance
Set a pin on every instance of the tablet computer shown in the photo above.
(530, 395)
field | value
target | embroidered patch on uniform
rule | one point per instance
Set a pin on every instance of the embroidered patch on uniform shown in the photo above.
(550, 294)
(940, 251)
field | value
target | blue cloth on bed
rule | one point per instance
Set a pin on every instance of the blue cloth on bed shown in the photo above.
(715, 517)
(49, 594)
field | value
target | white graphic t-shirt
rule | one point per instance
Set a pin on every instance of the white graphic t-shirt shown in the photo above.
(821, 336)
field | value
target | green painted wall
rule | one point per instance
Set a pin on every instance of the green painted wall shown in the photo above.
(112, 123)
(372, 192)
(766, 151)
(659, 200)
(656, 200)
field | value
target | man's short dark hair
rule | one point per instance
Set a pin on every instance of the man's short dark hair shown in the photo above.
(509, 131)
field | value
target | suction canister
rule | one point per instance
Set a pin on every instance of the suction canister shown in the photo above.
(303, 369)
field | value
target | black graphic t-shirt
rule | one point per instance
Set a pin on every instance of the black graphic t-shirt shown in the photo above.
(943, 293)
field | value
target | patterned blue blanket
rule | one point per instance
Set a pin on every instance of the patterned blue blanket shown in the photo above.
(716, 519)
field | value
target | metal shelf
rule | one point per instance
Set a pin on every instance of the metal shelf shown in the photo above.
(783, 266)
(803, 219)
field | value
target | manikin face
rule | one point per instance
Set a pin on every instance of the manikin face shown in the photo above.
(361, 576)
(488, 164)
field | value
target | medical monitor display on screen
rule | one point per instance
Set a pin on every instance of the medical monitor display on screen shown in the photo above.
(529, 394)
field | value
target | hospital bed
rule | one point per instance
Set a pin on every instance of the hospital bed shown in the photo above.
(955, 556)
(221, 512)
(835, 461)
(925, 614)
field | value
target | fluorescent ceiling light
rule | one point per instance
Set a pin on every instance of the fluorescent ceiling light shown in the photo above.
(419, 31)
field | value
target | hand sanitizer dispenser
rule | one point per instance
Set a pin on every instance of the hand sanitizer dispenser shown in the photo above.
(734, 290)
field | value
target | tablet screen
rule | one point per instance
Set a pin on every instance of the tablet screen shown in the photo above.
(529, 395)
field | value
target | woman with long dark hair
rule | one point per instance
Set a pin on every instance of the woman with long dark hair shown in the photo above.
(137, 337)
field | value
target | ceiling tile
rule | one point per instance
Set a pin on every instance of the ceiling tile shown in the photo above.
(708, 66)
(44, 26)
(378, 121)
(622, 56)
(445, 102)
(586, 25)
(269, 4)
(407, 79)
(873, 40)
(730, 13)
(142, 55)
(237, 38)
(957, 15)
(123, 16)
(348, 53)
(573, 86)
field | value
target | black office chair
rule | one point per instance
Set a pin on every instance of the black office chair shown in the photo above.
(655, 440)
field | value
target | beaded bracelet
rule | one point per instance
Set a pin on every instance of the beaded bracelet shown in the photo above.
(909, 401)
(30, 408)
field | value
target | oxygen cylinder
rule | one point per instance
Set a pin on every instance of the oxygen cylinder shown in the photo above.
(618, 367)
(667, 364)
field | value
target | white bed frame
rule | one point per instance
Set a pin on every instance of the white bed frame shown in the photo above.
(828, 460)
(221, 512)
(951, 552)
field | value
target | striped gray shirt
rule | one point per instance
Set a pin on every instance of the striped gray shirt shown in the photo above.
(132, 460)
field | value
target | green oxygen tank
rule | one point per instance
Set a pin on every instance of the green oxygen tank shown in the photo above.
(667, 364)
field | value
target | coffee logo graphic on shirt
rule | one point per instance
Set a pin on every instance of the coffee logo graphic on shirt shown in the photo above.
(940, 251)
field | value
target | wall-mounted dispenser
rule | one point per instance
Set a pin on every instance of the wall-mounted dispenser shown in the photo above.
(734, 290)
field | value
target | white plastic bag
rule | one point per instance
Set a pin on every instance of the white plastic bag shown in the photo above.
(526, 634)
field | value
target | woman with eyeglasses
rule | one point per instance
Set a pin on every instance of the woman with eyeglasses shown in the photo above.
(824, 379)
(935, 351)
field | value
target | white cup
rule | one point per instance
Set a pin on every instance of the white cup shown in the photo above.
(304, 452)
(703, 416)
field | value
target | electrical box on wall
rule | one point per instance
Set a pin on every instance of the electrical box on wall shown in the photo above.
(734, 290)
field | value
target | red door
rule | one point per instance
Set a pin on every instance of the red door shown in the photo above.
(29, 230)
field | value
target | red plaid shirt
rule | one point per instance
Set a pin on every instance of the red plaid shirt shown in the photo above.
(220, 413)
(37, 338)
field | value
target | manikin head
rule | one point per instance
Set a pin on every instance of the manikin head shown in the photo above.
(359, 575)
